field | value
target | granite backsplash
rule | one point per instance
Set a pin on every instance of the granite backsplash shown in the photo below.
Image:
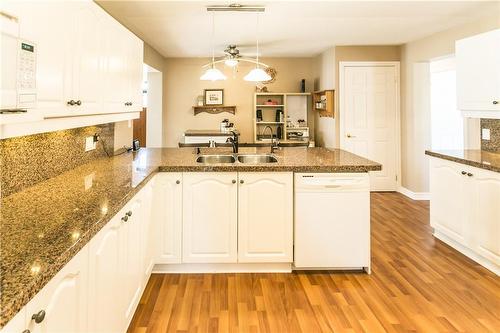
(28, 160)
(493, 144)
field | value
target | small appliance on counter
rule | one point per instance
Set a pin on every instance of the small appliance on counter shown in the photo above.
(297, 133)
(136, 145)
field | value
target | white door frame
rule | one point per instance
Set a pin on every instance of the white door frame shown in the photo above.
(397, 125)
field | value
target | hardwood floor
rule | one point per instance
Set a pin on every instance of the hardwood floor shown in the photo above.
(418, 284)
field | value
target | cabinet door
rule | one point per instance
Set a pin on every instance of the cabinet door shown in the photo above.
(135, 69)
(64, 299)
(107, 301)
(448, 205)
(167, 217)
(131, 266)
(485, 222)
(17, 324)
(147, 232)
(88, 58)
(209, 217)
(53, 44)
(478, 72)
(265, 217)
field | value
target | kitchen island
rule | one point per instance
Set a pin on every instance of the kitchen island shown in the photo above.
(47, 225)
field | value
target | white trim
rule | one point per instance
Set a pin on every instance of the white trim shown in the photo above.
(396, 65)
(414, 195)
(468, 252)
(224, 268)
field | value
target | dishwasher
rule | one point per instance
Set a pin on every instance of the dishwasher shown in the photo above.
(332, 221)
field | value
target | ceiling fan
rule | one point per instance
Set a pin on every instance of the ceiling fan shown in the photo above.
(232, 57)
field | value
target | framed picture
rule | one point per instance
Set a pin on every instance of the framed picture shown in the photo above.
(213, 97)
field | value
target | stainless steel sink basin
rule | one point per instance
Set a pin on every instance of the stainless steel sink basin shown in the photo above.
(213, 159)
(256, 159)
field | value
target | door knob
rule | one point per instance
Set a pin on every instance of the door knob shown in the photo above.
(350, 136)
(38, 317)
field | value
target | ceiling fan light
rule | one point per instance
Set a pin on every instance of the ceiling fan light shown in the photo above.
(257, 75)
(213, 74)
(231, 62)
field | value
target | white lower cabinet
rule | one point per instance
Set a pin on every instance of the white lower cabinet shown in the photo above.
(465, 209)
(167, 217)
(61, 306)
(210, 217)
(265, 217)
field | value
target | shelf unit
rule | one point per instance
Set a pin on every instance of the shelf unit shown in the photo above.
(298, 102)
(326, 98)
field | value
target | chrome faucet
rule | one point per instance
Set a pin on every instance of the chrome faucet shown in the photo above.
(234, 141)
(274, 144)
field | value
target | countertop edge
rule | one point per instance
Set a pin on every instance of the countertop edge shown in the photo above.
(462, 161)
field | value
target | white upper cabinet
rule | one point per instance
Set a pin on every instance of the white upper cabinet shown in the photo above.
(210, 223)
(478, 75)
(265, 217)
(61, 306)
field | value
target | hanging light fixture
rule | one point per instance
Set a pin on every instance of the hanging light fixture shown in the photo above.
(212, 73)
(257, 74)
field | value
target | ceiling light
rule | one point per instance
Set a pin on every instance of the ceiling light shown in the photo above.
(213, 74)
(257, 75)
(231, 62)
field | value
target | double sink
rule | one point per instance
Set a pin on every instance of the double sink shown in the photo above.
(244, 158)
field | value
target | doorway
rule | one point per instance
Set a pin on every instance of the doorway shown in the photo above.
(148, 129)
(369, 117)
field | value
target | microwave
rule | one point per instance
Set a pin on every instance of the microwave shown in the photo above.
(18, 68)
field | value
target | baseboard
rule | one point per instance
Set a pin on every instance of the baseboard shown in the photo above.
(468, 252)
(414, 195)
(224, 268)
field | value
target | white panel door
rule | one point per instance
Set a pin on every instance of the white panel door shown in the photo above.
(478, 72)
(64, 299)
(53, 43)
(449, 199)
(265, 217)
(88, 58)
(167, 217)
(210, 217)
(105, 282)
(486, 222)
(369, 119)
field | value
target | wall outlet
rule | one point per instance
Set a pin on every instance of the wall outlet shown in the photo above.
(485, 133)
(89, 143)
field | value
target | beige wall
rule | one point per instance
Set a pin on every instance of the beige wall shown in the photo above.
(324, 79)
(182, 86)
(415, 124)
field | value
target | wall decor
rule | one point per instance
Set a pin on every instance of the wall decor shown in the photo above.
(213, 97)
(272, 73)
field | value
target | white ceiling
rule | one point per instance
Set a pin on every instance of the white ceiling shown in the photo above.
(290, 28)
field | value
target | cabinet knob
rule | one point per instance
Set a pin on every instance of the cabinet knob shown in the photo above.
(129, 213)
(26, 331)
(495, 102)
(78, 102)
(464, 173)
(125, 218)
(241, 181)
(38, 317)
(71, 102)
(233, 181)
(177, 182)
(470, 174)
(350, 136)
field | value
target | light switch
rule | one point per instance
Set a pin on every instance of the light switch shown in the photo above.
(485, 133)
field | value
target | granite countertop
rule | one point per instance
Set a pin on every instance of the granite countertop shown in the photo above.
(44, 226)
(192, 132)
(473, 157)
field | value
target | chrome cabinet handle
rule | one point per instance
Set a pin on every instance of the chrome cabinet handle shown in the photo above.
(129, 213)
(125, 218)
(464, 173)
(242, 181)
(71, 102)
(233, 181)
(495, 102)
(177, 182)
(38, 317)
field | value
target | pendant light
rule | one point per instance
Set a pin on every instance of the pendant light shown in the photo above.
(213, 74)
(257, 74)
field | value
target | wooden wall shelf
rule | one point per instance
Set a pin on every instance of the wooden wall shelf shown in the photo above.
(214, 109)
(327, 109)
